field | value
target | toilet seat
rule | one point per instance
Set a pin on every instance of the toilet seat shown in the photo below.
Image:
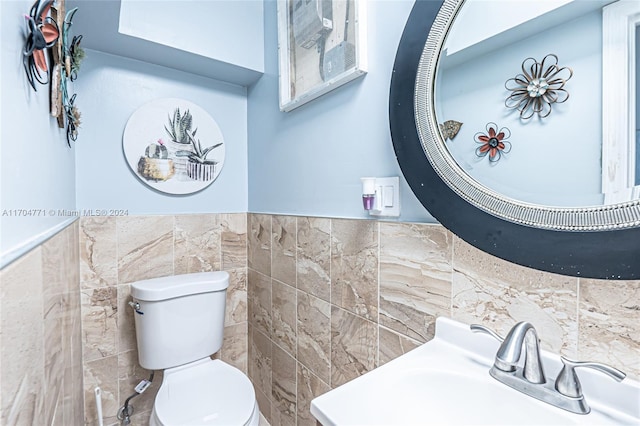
(205, 392)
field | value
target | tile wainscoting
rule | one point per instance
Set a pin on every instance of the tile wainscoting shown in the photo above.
(313, 303)
(40, 335)
(330, 299)
(116, 251)
(65, 324)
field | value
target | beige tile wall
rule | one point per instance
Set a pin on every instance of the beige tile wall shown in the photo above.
(330, 299)
(40, 335)
(116, 251)
(322, 300)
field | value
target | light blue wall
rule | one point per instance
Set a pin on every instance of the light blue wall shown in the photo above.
(110, 89)
(555, 160)
(310, 161)
(228, 31)
(637, 106)
(37, 169)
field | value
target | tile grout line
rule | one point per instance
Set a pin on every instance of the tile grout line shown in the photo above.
(330, 303)
(578, 288)
(295, 307)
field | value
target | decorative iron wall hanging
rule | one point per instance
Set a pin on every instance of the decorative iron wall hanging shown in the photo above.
(48, 28)
(494, 142)
(540, 85)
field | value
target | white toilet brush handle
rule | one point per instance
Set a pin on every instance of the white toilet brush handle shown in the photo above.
(98, 393)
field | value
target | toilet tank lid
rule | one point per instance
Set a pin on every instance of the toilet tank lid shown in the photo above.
(179, 285)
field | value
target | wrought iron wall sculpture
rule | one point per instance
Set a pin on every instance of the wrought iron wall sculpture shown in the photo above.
(494, 142)
(540, 85)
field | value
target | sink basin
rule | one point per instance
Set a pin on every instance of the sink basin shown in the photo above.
(458, 399)
(446, 382)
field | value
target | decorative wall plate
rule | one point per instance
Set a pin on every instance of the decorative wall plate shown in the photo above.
(173, 146)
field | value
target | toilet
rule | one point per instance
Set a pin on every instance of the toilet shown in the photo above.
(179, 324)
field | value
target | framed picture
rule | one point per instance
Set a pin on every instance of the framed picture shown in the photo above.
(321, 46)
(173, 146)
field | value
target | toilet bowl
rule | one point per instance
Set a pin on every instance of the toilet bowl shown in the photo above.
(179, 323)
(205, 392)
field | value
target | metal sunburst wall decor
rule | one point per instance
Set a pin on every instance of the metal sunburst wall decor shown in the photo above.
(494, 142)
(540, 85)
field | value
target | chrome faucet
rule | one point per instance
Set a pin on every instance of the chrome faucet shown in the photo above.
(565, 392)
(523, 334)
(509, 353)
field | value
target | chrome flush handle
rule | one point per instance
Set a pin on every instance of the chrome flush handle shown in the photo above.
(136, 307)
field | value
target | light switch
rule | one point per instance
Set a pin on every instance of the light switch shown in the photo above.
(387, 195)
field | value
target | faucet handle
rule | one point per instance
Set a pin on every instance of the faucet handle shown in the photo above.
(477, 328)
(567, 382)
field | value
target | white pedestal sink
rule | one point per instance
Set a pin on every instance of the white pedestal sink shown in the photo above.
(446, 381)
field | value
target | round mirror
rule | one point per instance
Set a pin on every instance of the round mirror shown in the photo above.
(541, 79)
(499, 130)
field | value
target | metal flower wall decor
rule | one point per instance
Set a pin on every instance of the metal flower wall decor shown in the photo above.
(42, 33)
(494, 142)
(50, 57)
(540, 85)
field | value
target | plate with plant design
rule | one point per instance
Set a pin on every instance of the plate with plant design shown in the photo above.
(174, 146)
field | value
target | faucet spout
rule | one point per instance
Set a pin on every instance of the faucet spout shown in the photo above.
(522, 334)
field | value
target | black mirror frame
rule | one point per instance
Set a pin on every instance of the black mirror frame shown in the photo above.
(604, 254)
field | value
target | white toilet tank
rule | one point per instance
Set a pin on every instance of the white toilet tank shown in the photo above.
(180, 318)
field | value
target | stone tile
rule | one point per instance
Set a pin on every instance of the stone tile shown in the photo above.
(233, 227)
(59, 265)
(139, 418)
(314, 335)
(314, 256)
(22, 341)
(354, 266)
(259, 301)
(415, 277)
(197, 246)
(354, 346)
(283, 396)
(236, 304)
(309, 387)
(99, 322)
(283, 314)
(391, 345)
(60, 289)
(260, 362)
(283, 249)
(130, 373)
(74, 247)
(125, 320)
(98, 252)
(145, 247)
(264, 403)
(101, 373)
(498, 294)
(74, 391)
(263, 421)
(259, 243)
(235, 346)
(610, 324)
(55, 309)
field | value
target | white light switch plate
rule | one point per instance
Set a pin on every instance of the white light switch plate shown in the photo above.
(388, 189)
